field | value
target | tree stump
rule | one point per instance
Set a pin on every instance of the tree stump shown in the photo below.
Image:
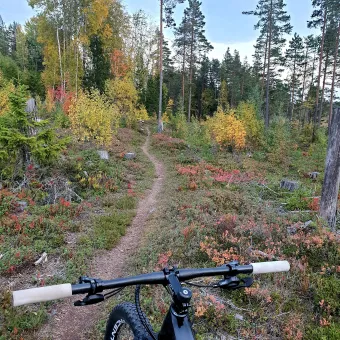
(330, 188)
(289, 185)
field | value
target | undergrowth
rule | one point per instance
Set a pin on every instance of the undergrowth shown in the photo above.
(69, 212)
(232, 208)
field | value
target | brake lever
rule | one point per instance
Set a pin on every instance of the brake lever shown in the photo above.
(90, 300)
(233, 283)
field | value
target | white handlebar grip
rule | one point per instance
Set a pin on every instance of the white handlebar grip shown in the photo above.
(27, 296)
(270, 267)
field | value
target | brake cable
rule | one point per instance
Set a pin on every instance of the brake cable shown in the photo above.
(199, 285)
(113, 293)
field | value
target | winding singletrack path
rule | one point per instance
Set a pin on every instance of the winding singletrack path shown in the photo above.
(71, 323)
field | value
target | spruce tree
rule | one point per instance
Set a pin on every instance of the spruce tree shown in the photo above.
(23, 139)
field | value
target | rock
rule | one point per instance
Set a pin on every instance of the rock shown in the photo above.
(239, 317)
(292, 230)
(1, 186)
(130, 155)
(281, 211)
(21, 206)
(289, 185)
(314, 175)
(103, 154)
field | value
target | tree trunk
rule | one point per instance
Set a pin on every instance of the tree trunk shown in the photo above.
(334, 75)
(77, 67)
(265, 61)
(293, 91)
(268, 66)
(160, 124)
(323, 89)
(330, 189)
(313, 69)
(64, 52)
(304, 76)
(191, 66)
(319, 75)
(60, 62)
(183, 65)
(59, 49)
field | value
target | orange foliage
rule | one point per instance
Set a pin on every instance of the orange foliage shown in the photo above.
(68, 102)
(119, 65)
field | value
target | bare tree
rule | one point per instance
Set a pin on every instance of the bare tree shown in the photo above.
(330, 189)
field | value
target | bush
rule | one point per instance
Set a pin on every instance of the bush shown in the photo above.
(179, 125)
(92, 118)
(254, 128)
(227, 130)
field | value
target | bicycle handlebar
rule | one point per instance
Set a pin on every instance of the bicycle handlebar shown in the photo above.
(34, 295)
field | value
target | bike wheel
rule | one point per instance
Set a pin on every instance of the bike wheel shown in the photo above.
(124, 324)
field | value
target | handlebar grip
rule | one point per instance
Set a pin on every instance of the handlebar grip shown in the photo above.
(27, 296)
(270, 267)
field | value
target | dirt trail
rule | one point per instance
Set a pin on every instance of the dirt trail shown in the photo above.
(71, 323)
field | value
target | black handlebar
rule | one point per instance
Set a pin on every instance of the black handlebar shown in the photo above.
(97, 286)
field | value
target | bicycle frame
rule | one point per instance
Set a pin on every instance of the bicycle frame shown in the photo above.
(176, 327)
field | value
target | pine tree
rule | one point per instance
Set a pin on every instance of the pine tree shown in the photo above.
(335, 13)
(181, 49)
(319, 19)
(168, 7)
(198, 44)
(294, 62)
(274, 23)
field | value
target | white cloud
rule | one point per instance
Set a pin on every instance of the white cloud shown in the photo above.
(246, 49)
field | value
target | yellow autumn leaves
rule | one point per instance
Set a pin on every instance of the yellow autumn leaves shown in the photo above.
(93, 118)
(227, 129)
(237, 128)
(97, 117)
(6, 88)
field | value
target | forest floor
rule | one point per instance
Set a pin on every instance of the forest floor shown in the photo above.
(212, 207)
(216, 207)
(71, 323)
(78, 237)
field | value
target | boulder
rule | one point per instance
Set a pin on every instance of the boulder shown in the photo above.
(292, 230)
(103, 154)
(130, 155)
(289, 185)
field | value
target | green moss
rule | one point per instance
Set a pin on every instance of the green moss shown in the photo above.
(323, 333)
(109, 229)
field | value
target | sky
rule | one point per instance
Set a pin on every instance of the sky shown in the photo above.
(225, 24)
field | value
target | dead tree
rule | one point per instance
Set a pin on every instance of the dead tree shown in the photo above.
(330, 188)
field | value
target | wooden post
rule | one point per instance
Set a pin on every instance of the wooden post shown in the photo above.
(330, 188)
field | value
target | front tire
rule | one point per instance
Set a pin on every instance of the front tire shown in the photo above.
(124, 324)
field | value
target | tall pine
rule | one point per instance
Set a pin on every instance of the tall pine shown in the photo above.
(273, 24)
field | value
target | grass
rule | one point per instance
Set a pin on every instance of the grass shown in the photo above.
(207, 223)
(109, 229)
(71, 233)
